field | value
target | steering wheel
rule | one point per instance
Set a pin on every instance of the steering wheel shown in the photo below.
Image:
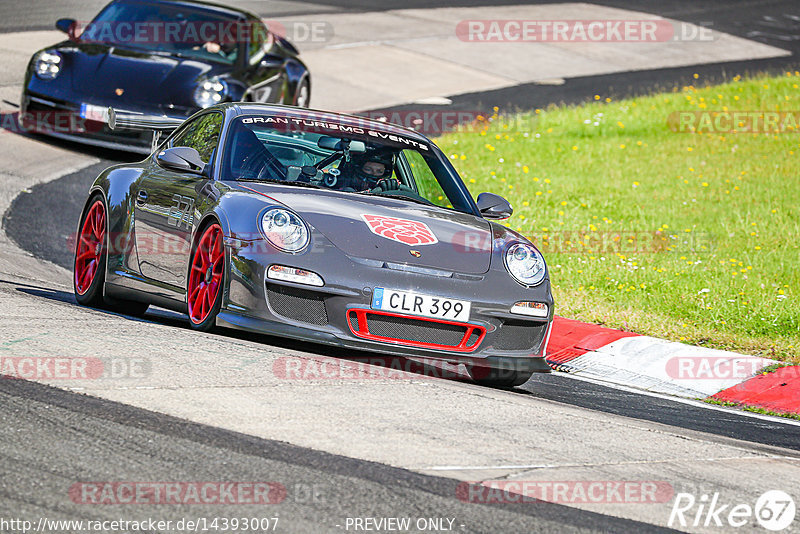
(253, 166)
(401, 191)
(387, 185)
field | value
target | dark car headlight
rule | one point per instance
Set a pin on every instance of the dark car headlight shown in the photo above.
(47, 65)
(210, 91)
(525, 264)
(285, 230)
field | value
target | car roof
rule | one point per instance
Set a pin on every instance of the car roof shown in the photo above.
(208, 6)
(248, 108)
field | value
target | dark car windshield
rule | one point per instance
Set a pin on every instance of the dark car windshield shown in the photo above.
(341, 157)
(167, 28)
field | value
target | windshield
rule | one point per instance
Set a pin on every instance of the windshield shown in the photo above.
(168, 28)
(339, 157)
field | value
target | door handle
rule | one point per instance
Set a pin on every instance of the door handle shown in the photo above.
(141, 198)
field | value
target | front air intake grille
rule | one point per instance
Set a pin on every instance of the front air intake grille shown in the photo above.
(415, 332)
(297, 304)
(406, 329)
(520, 335)
(353, 318)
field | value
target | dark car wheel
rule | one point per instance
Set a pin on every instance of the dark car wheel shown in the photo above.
(302, 97)
(207, 271)
(498, 378)
(90, 259)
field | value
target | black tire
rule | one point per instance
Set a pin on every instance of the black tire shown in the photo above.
(92, 295)
(498, 378)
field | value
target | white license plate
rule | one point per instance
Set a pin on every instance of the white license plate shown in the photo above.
(94, 113)
(410, 303)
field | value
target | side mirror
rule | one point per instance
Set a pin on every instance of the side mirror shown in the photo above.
(271, 62)
(67, 26)
(494, 206)
(181, 159)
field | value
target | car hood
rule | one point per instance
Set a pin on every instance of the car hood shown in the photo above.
(133, 77)
(344, 219)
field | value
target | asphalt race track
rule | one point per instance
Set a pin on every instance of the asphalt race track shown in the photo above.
(111, 441)
(63, 199)
(210, 408)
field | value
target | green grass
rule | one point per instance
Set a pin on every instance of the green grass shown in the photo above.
(689, 237)
(754, 409)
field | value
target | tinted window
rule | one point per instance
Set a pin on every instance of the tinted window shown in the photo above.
(425, 180)
(260, 39)
(173, 28)
(349, 158)
(202, 134)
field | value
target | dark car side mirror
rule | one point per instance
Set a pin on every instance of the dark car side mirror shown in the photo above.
(181, 159)
(67, 26)
(494, 206)
(270, 61)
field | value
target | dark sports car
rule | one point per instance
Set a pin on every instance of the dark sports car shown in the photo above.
(317, 226)
(156, 57)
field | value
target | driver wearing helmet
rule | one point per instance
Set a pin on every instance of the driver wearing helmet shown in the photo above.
(371, 170)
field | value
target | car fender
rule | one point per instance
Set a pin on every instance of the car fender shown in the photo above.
(117, 185)
(503, 238)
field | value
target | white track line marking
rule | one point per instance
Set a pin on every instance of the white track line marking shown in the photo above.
(570, 466)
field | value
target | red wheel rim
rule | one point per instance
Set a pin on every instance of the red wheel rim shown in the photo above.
(205, 278)
(90, 247)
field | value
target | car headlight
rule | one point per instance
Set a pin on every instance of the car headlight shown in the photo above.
(525, 264)
(47, 65)
(210, 91)
(285, 230)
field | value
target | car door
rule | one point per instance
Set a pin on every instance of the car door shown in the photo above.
(264, 73)
(166, 202)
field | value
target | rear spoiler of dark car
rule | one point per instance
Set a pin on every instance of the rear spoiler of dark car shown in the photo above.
(126, 120)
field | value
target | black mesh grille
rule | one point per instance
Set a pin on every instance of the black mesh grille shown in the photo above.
(415, 330)
(353, 318)
(297, 304)
(520, 335)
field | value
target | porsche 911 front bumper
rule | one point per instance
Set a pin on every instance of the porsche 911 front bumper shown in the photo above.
(340, 312)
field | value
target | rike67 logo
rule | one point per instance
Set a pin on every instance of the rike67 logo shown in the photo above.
(774, 510)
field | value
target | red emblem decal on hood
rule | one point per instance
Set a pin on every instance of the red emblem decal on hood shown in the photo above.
(401, 230)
